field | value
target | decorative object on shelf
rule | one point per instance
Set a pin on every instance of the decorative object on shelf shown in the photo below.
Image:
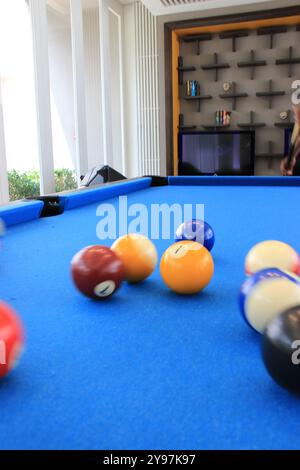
(197, 39)
(290, 61)
(252, 63)
(285, 122)
(222, 118)
(227, 86)
(181, 69)
(182, 127)
(270, 93)
(271, 30)
(233, 95)
(284, 115)
(192, 88)
(195, 89)
(270, 154)
(251, 124)
(216, 66)
(234, 35)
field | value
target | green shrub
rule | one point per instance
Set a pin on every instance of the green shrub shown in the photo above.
(27, 184)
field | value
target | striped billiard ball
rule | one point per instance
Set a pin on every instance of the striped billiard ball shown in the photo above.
(138, 255)
(272, 254)
(266, 294)
(198, 231)
(97, 272)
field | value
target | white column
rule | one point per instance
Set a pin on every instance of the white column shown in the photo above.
(131, 96)
(38, 11)
(79, 86)
(105, 85)
(4, 195)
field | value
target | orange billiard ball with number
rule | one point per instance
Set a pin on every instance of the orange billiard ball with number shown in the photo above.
(138, 254)
(187, 267)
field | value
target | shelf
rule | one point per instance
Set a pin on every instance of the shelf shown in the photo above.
(187, 128)
(203, 97)
(252, 63)
(270, 93)
(216, 66)
(271, 30)
(234, 35)
(198, 98)
(254, 125)
(284, 124)
(216, 126)
(290, 61)
(197, 39)
(234, 96)
(251, 124)
(186, 69)
(182, 69)
(270, 154)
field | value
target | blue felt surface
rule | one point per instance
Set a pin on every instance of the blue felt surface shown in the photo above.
(148, 368)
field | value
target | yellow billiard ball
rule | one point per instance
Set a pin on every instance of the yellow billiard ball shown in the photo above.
(138, 254)
(187, 267)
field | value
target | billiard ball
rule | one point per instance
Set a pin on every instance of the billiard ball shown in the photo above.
(266, 294)
(138, 254)
(281, 349)
(196, 230)
(11, 339)
(272, 254)
(97, 271)
(187, 267)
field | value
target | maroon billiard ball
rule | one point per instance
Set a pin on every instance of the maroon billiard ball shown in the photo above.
(97, 271)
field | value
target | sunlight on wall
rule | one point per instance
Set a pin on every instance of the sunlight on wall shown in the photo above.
(18, 93)
(17, 82)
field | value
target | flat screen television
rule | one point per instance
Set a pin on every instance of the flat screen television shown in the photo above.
(287, 139)
(216, 152)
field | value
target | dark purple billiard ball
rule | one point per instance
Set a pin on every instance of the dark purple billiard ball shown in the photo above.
(281, 349)
(97, 271)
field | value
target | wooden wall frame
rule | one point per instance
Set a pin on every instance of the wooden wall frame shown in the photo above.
(217, 24)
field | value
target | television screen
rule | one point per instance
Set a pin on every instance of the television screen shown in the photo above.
(222, 153)
(287, 139)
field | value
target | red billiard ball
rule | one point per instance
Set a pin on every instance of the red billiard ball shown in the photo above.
(11, 339)
(97, 271)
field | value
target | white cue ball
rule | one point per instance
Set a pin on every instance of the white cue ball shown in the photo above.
(266, 294)
(272, 254)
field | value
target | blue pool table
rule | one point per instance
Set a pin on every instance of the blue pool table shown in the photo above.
(146, 369)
